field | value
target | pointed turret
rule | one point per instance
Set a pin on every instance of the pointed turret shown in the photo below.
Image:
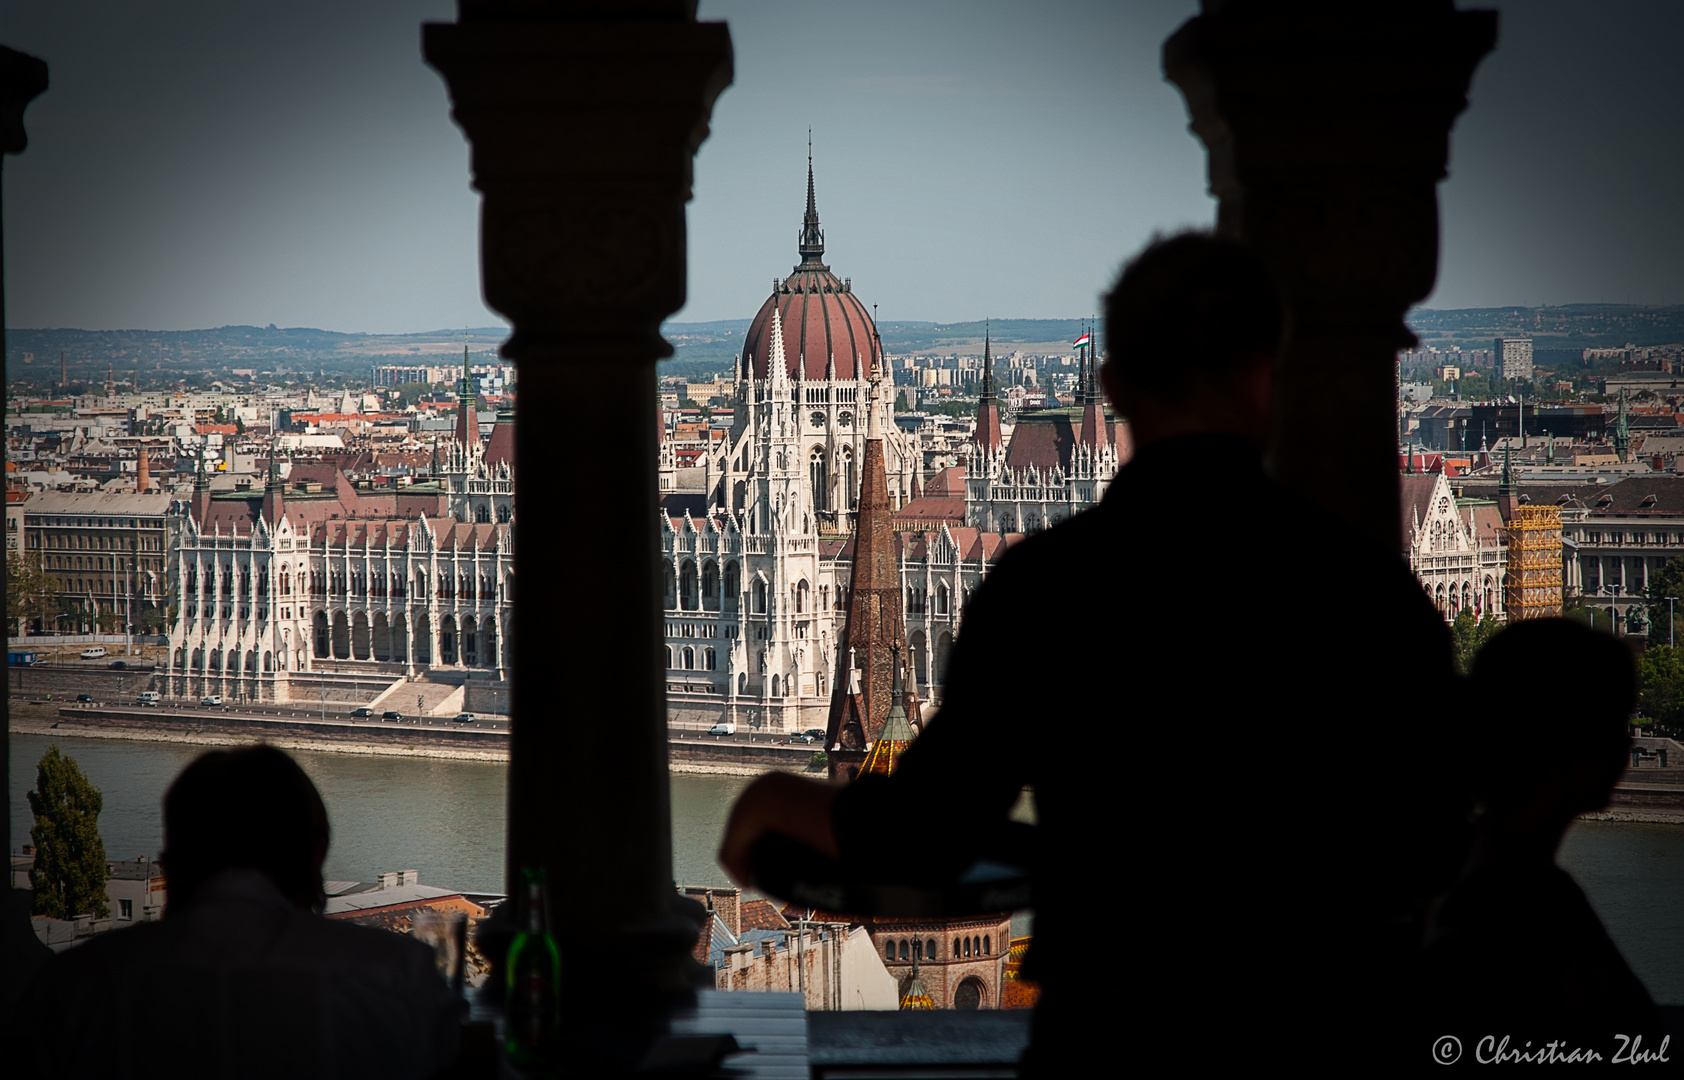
(914, 995)
(811, 244)
(1622, 430)
(1506, 486)
(988, 437)
(201, 492)
(467, 417)
(274, 492)
(1094, 435)
(897, 733)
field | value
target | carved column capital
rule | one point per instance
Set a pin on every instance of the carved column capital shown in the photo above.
(1327, 135)
(583, 137)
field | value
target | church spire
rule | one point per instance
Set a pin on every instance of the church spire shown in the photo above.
(811, 245)
(988, 436)
(467, 412)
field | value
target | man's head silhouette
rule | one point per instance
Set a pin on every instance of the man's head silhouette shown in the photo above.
(1193, 327)
(251, 808)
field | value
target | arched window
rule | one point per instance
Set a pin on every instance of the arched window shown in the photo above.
(817, 473)
(712, 662)
(930, 949)
(687, 585)
(759, 607)
(775, 687)
(917, 950)
(849, 491)
(941, 598)
(710, 585)
(503, 513)
(955, 948)
(689, 658)
(482, 514)
(905, 950)
(669, 657)
(888, 950)
(987, 946)
(801, 596)
(733, 586)
(967, 947)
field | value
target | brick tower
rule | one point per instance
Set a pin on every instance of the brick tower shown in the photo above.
(867, 658)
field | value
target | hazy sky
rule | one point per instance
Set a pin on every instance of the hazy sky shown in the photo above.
(199, 162)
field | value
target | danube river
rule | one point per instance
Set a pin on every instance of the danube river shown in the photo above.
(444, 818)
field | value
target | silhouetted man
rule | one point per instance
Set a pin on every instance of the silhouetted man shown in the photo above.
(1221, 697)
(243, 976)
(1514, 951)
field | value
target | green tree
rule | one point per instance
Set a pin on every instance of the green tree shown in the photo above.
(1467, 637)
(1660, 687)
(31, 592)
(1666, 582)
(901, 404)
(69, 872)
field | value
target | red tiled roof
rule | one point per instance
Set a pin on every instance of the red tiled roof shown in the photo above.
(761, 915)
(948, 481)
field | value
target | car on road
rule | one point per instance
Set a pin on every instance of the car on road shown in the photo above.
(119, 665)
(95, 653)
(148, 697)
(84, 697)
(726, 728)
(364, 711)
(211, 700)
(392, 714)
(464, 718)
(813, 734)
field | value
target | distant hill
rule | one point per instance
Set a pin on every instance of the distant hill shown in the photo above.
(1570, 326)
(168, 355)
(701, 348)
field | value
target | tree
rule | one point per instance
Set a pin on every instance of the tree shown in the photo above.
(69, 872)
(901, 404)
(30, 590)
(1660, 687)
(1668, 581)
(1468, 637)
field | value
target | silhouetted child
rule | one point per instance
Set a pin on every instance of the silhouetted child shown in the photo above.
(1514, 948)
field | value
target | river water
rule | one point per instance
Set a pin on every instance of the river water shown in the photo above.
(444, 818)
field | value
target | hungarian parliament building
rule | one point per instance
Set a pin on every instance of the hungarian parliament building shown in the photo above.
(758, 555)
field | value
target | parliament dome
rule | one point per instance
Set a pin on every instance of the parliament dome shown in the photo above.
(822, 318)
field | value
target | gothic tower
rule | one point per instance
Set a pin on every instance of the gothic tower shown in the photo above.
(867, 657)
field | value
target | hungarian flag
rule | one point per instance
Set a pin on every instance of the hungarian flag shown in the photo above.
(1082, 342)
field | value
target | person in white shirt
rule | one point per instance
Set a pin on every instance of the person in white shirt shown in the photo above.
(243, 976)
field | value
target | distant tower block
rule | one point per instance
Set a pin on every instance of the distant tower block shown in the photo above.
(1513, 357)
(1534, 572)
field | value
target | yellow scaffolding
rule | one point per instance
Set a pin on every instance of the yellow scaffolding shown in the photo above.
(1532, 585)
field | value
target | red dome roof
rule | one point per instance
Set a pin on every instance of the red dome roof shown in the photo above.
(821, 318)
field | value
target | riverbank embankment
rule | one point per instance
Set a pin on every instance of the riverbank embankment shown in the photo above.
(688, 752)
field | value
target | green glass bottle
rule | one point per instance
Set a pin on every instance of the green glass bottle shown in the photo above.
(533, 1019)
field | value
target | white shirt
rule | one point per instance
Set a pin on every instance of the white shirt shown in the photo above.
(242, 984)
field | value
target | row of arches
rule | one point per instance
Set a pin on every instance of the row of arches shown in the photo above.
(964, 948)
(691, 659)
(1452, 598)
(930, 670)
(341, 581)
(707, 588)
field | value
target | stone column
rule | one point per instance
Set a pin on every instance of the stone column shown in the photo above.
(583, 136)
(1327, 135)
